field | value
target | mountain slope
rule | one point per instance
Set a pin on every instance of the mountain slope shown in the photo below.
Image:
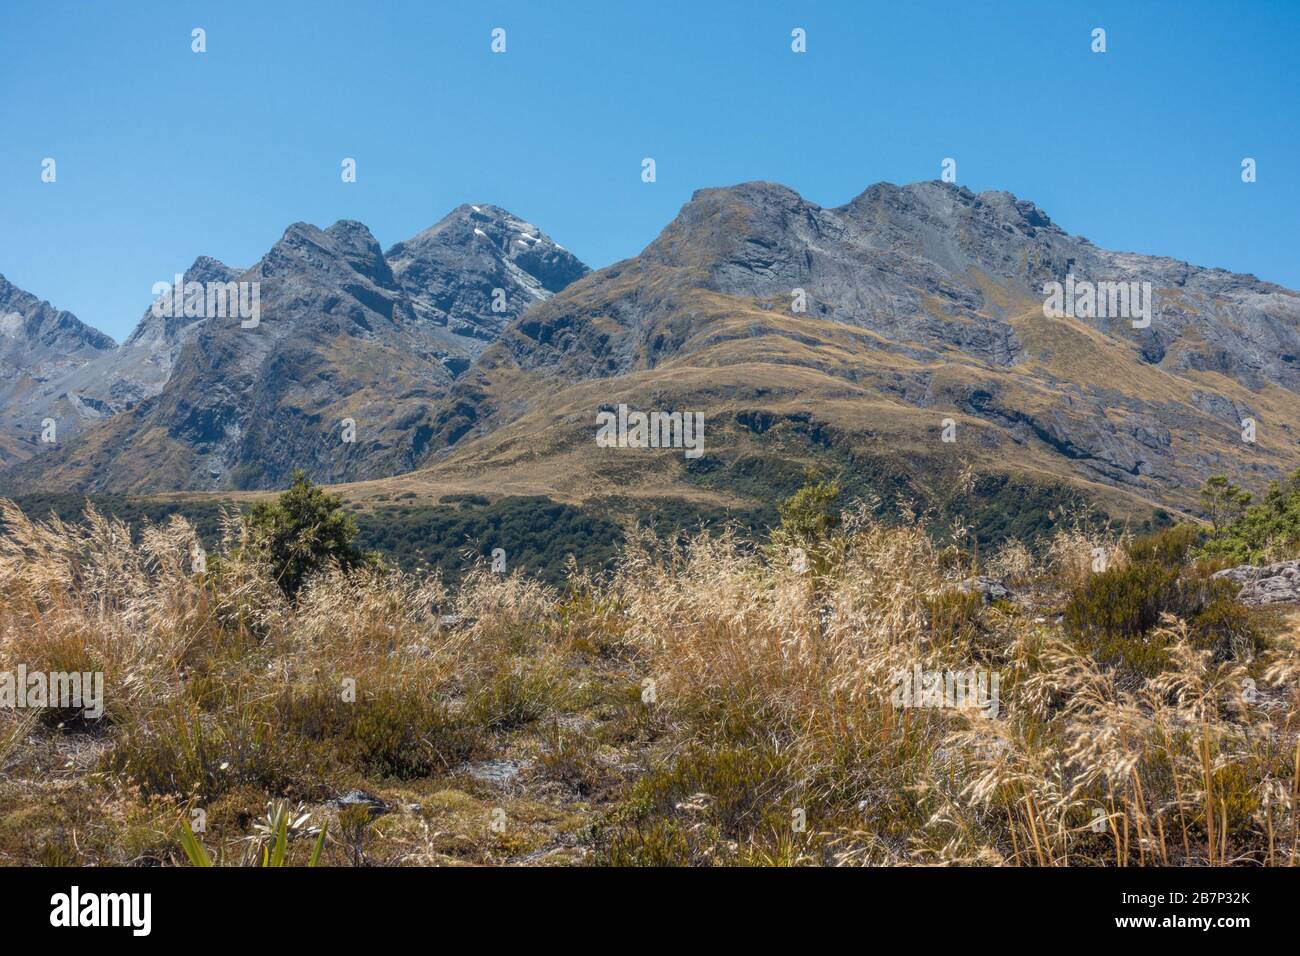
(39, 344)
(335, 377)
(924, 303)
(922, 351)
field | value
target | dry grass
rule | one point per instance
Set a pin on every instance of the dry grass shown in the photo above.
(707, 703)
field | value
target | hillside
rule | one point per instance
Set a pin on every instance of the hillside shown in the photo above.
(900, 340)
(923, 303)
(39, 344)
(350, 350)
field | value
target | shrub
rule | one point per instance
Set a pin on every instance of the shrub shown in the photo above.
(1224, 501)
(393, 733)
(1114, 611)
(183, 752)
(1123, 602)
(1263, 532)
(1226, 628)
(1168, 548)
(304, 531)
(518, 692)
(704, 801)
(809, 516)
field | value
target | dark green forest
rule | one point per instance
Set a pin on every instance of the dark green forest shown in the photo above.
(539, 534)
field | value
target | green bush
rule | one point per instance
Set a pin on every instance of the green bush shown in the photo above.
(1114, 613)
(1169, 548)
(184, 751)
(811, 514)
(1226, 627)
(516, 694)
(303, 531)
(1258, 534)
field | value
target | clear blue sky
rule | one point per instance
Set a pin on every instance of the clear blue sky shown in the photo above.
(164, 155)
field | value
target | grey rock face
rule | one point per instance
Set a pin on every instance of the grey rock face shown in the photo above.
(452, 269)
(168, 330)
(40, 346)
(32, 329)
(885, 260)
(1272, 584)
(140, 367)
(336, 341)
(98, 384)
(376, 806)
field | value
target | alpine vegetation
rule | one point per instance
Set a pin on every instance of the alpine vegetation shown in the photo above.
(1099, 300)
(845, 690)
(68, 691)
(624, 429)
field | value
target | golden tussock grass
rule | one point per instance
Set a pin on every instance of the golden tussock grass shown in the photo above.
(711, 701)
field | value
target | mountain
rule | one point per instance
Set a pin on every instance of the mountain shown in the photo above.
(924, 302)
(144, 362)
(902, 340)
(78, 394)
(450, 270)
(335, 374)
(39, 344)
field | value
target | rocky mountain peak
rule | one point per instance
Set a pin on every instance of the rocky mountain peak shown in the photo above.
(32, 328)
(40, 346)
(755, 192)
(935, 199)
(934, 298)
(208, 269)
(345, 247)
(162, 331)
(479, 267)
(345, 332)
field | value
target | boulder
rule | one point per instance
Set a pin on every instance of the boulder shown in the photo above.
(452, 622)
(1270, 584)
(988, 588)
(359, 798)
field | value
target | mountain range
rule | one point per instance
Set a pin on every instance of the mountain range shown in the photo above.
(346, 332)
(902, 336)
